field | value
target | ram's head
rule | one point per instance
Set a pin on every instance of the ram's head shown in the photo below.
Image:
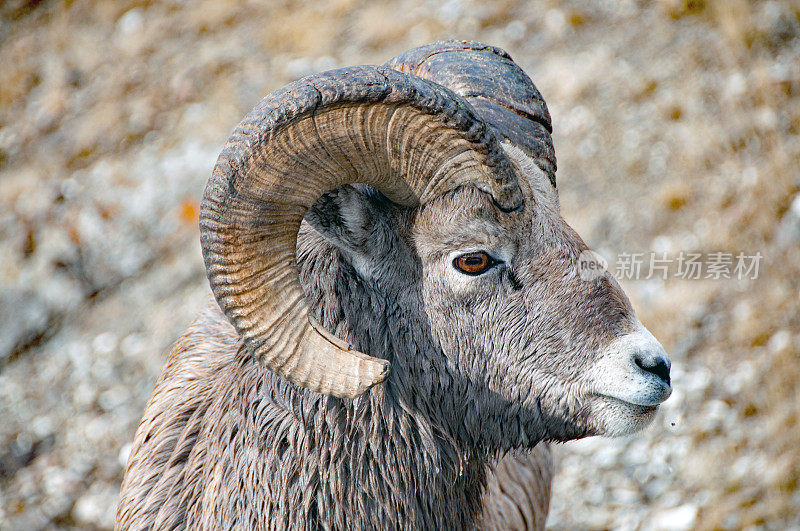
(489, 317)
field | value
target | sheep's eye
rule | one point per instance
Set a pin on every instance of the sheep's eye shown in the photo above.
(473, 263)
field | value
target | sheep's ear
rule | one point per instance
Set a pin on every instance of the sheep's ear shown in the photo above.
(356, 220)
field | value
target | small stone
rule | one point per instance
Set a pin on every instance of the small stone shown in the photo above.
(697, 381)
(57, 482)
(88, 509)
(131, 22)
(662, 244)
(112, 398)
(680, 518)
(56, 506)
(736, 85)
(84, 395)
(607, 457)
(42, 426)
(637, 453)
(555, 22)
(741, 377)
(624, 496)
(133, 345)
(717, 414)
(779, 341)
(105, 343)
(515, 30)
(656, 487)
(23, 443)
(96, 430)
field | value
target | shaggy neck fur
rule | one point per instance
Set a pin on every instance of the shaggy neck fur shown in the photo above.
(372, 463)
(383, 460)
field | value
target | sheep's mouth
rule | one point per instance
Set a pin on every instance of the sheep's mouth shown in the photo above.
(615, 417)
(639, 409)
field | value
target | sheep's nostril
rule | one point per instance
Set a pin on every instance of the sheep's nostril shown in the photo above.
(653, 364)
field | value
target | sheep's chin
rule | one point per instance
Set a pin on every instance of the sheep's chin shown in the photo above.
(614, 417)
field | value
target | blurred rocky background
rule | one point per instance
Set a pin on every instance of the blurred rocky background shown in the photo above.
(676, 128)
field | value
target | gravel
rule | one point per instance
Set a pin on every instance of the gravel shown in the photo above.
(676, 127)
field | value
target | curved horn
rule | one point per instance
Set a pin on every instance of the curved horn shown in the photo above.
(411, 139)
(501, 93)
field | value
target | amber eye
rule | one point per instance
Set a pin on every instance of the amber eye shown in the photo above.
(473, 263)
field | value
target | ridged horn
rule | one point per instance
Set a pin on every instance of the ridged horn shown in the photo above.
(501, 93)
(411, 139)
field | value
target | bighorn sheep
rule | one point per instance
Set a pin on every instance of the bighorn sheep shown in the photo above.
(379, 355)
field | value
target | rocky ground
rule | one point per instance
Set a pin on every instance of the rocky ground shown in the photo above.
(676, 127)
